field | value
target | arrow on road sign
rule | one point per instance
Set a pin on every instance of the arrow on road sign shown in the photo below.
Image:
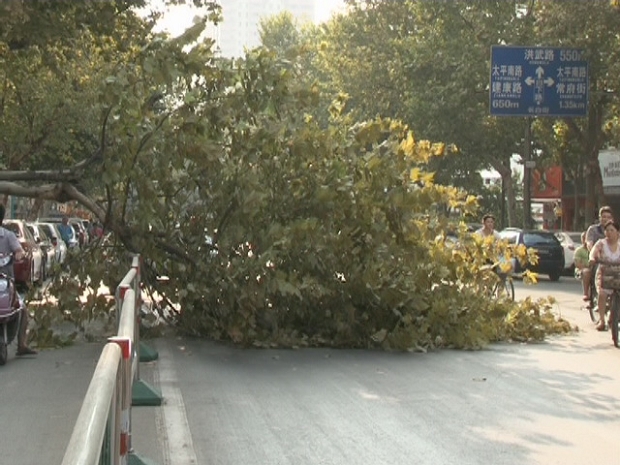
(539, 84)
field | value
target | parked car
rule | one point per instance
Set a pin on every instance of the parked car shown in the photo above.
(570, 240)
(26, 271)
(53, 233)
(47, 247)
(550, 251)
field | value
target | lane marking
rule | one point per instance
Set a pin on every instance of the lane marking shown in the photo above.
(177, 444)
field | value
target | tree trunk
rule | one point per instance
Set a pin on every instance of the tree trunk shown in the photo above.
(598, 184)
(591, 140)
(511, 201)
(590, 207)
(508, 188)
(576, 226)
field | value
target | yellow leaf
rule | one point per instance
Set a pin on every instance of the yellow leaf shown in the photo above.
(439, 149)
(428, 178)
(408, 145)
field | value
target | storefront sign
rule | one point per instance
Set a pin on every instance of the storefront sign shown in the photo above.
(609, 162)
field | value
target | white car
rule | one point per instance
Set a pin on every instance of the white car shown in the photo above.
(52, 231)
(570, 240)
(48, 248)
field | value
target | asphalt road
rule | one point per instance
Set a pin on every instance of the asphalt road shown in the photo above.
(547, 403)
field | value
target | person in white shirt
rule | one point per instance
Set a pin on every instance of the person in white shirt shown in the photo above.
(605, 250)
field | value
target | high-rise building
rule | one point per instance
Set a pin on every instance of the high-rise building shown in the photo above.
(240, 27)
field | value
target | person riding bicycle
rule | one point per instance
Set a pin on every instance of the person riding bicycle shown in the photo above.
(488, 230)
(606, 250)
(594, 233)
(9, 244)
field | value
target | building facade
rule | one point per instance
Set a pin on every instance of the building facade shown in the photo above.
(240, 28)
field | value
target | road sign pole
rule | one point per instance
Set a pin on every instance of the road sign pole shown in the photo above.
(527, 178)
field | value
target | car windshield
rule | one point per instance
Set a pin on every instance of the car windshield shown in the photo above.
(29, 236)
(47, 228)
(536, 238)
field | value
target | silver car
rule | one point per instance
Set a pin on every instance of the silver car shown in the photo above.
(570, 240)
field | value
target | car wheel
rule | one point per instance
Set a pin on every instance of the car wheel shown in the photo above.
(554, 276)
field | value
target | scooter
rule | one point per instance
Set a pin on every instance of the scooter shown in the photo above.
(11, 308)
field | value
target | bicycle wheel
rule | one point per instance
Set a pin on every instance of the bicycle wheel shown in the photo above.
(504, 288)
(593, 304)
(509, 288)
(613, 318)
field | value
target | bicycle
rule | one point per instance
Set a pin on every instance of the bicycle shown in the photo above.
(503, 287)
(611, 281)
(592, 302)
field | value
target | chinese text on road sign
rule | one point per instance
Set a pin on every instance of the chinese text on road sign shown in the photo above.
(538, 81)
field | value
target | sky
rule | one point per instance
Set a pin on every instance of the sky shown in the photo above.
(180, 17)
(325, 8)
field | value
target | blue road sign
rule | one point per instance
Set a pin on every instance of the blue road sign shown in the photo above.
(538, 81)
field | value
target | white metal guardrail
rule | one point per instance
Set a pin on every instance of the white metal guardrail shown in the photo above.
(102, 432)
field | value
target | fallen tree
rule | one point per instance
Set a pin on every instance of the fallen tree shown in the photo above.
(272, 228)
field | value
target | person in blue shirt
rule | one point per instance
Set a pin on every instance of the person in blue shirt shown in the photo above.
(66, 230)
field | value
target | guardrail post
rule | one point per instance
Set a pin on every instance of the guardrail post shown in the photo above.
(146, 353)
(143, 394)
(125, 423)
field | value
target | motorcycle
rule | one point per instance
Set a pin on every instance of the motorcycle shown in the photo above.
(11, 308)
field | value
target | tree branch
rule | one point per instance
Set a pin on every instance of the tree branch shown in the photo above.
(570, 122)
(134, 162)
(85, 200)
(60, 192)
(41, 176)
(174, 251)
(46, 192)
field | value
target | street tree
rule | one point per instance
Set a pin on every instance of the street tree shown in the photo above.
(576, 142)
(432, 71)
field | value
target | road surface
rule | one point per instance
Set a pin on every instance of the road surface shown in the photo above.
(550, 403)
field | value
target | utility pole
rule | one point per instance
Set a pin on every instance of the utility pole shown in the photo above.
(528, 164)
